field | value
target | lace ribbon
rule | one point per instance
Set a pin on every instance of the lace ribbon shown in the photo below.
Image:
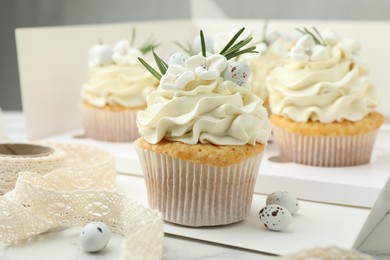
(74, 195)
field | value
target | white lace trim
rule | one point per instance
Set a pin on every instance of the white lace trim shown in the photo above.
(73, 195)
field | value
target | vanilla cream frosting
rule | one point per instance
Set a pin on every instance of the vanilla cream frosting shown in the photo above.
(206, 111)
(116, 77)
(268, 57)
(260, 67)
(322, 83)
(197, 102)
(126, 86)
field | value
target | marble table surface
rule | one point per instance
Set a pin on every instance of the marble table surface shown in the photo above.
(64, 244)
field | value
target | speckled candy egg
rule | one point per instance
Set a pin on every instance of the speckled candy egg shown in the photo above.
(285, 199)
(275, 217)
(178, 58)
(95, 236)
(237, 72)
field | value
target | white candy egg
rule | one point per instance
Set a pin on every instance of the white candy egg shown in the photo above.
(275, 217)
(95, 236)
(237, 72)
(285, 199)
(208, 42)
(178, 58)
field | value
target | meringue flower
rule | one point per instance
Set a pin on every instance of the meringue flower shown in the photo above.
(124, 54)
(176, 77)
(330, 37)
(306, 50)
(100, 55)
(350, 48)
(207, 68)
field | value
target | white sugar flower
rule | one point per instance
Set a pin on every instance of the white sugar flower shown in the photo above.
(124, 54)
(176, 77)
(207, 68)
(307, 50)
(122, 46)
(350, 48)
(100, 55)
(330, 37)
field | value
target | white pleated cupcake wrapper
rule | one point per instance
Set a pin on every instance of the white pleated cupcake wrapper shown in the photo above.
(113, 126)
(327, 151)
(73, 195)
(194, 194)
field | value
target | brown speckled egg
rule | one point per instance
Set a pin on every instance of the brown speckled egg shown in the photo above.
(275, 217)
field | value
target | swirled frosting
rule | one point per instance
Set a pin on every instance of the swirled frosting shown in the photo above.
(126, 86)
(322, 83)
(116, 77)
(197, 106)
(260, 67)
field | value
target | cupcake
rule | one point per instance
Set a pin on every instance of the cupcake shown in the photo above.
(323, 103)
(116, 90)
(203, 134)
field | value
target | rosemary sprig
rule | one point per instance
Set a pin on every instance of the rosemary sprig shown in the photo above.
(238, 45)
(202, 44)
(316, 35)
(237, 53)
(162, 66)
(232, 50)
(149, 45)
(150, 69)
(231, 42)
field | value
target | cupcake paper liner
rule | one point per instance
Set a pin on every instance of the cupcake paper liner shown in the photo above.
(194, 194)
(113, 126)
(327, 151)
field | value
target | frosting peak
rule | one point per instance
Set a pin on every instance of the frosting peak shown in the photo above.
(204, 99)
(116, 78)
(212, 111)
(321, 81)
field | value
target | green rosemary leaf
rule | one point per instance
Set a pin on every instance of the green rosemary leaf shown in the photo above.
(239, 45)
(148, 45)
(248, 50)
(132, 39)
(319, 36)
(150, 69)
(312, 35)
(232, 41)
(162, 66)
(148, 48)
(316, 35)
(202, 43)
